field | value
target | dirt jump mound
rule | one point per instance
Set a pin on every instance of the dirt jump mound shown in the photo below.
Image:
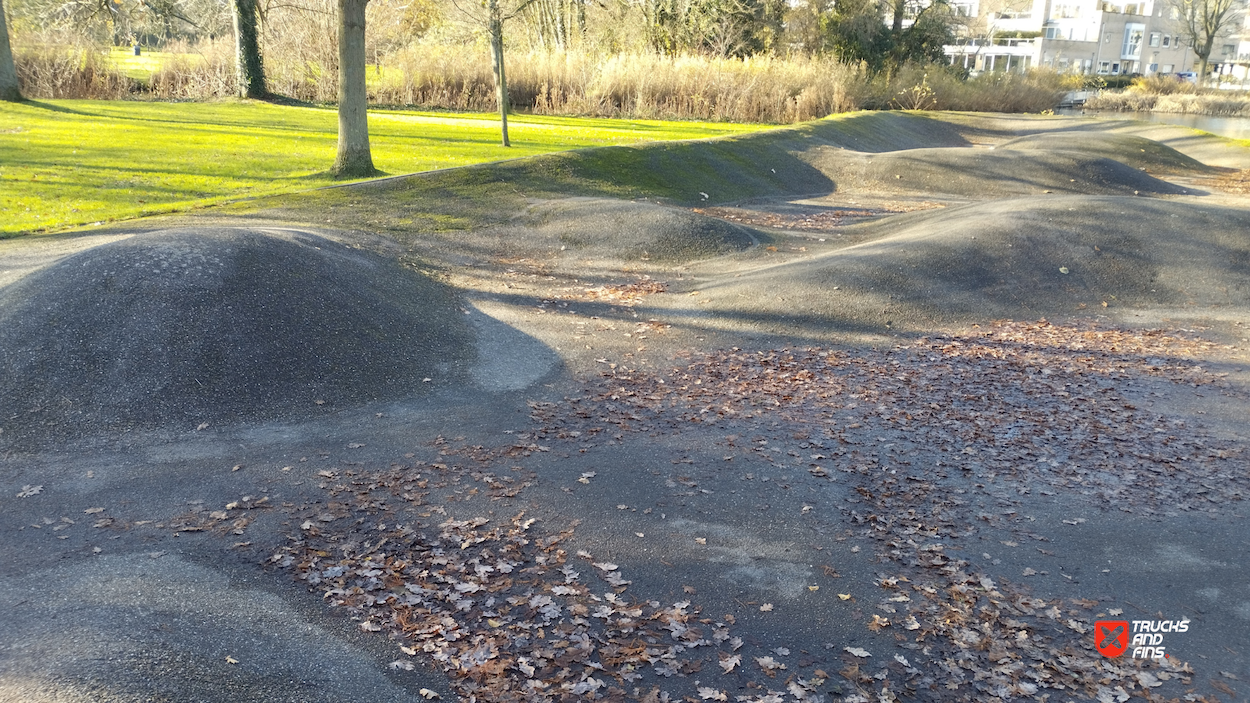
(986, 173)
(180, 327)
(1014, 259)
(629, 231)
(1134, 151)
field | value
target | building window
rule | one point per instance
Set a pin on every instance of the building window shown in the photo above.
(1115, 69)
(1167, 68)
(1154, 39)
(1166, 40)
(1133, 34)
(1104, 67)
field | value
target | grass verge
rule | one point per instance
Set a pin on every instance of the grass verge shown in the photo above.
(73, 162)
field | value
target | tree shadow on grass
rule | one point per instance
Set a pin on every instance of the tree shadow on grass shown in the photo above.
(56, 108)
(287, 101)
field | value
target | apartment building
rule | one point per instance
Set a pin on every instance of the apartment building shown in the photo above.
(1233, 55)
(1108, 37)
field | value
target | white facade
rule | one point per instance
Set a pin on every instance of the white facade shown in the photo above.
(1108, 37)
(1234, 56)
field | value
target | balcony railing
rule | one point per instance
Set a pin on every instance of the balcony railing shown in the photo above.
(998, 42)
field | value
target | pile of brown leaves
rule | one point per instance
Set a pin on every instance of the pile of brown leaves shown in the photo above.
(1033, 406)
(822, 220)
(1235, 181)
(625, 295)
(916, 430)
(1036, 401)
(510, 615)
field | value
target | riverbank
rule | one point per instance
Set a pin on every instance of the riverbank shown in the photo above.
(1219, 103)
(1229, 127)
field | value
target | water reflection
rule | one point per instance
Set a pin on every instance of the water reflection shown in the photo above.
(1232, 127)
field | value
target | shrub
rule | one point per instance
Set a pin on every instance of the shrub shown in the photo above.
(60, 70)
(207, 73)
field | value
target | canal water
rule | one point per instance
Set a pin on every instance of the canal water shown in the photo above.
(1232, 127)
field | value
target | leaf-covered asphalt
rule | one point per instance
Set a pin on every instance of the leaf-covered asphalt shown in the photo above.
(919, 452)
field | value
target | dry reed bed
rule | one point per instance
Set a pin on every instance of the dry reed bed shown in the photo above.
(640, 86)
(1234, 105)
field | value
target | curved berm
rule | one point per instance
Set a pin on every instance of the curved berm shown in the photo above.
(181, 327)
(1134, 151)
(1019, 259)
(986, 173)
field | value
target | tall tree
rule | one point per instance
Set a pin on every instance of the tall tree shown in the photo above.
(251, 66)
(1204, 21)
(857, 32)
(9, 88)
(924, 40)
(495, 27)
(354, 159)
(494, 18)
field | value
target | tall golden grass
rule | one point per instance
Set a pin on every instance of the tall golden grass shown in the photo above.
(69, 70)
(639, 86)
(935, 88)
(206, 72)
(1166, 94)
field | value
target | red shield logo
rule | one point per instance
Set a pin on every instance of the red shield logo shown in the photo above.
(1111, 637)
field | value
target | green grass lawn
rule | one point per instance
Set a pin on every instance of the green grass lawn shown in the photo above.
(143, 66)
(74, 162)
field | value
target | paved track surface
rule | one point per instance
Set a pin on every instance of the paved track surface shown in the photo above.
(243, 457)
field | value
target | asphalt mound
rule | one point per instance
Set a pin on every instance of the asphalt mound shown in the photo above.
(180, 327)
(986, 173)
(1138, 152)
(1019, 259)
(629, 231)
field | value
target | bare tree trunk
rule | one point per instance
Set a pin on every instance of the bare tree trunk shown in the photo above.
(354, 158)
(250, 66)
(9, 88)
(496, 55)
(562, 33)
(1204, 60)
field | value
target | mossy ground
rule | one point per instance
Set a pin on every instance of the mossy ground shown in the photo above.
(74, 162)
